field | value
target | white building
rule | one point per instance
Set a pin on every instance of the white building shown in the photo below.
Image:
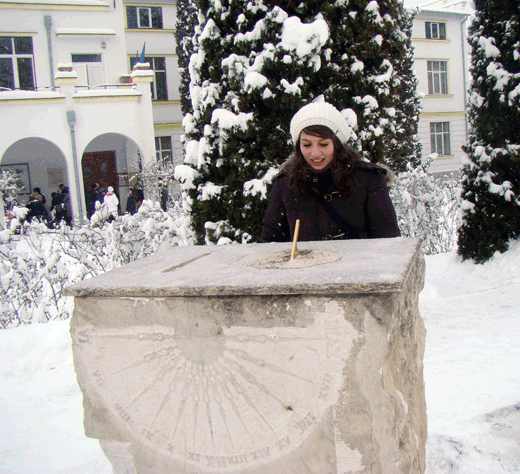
(441, 64)
(72, 131)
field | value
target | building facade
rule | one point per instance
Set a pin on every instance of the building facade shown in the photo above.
(89, 122)
(441, 64)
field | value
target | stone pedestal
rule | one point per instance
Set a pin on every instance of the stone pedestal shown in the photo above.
(233, 359)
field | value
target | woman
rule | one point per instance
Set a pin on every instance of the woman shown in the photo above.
(326, 186)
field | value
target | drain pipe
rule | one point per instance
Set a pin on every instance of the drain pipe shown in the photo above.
(71, 119)
(47, 21)
(463, 35)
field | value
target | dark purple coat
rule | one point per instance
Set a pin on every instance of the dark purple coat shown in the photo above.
(368, 209)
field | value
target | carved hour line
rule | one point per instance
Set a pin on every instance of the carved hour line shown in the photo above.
(231, 401)
(205, 395)
(264, 364)
(242, 391)
(179, 412)
(167, 397)
(148, 358)
(218, 399)
(253, 381)
(169, 367)
(196, 397)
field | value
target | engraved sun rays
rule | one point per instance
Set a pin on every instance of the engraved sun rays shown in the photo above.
(219, 395)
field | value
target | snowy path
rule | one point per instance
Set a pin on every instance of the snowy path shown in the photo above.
(472, 374)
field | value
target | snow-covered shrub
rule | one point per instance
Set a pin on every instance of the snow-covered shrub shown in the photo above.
(37, 263)
(10, 185)
(428, 207)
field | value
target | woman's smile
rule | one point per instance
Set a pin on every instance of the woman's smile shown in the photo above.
(318, 152)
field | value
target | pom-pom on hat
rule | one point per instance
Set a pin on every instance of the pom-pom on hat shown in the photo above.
(320, 113)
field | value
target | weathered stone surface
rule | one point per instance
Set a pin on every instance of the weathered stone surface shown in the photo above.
(217, 366)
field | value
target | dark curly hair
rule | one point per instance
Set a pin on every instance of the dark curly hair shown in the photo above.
(342, 167)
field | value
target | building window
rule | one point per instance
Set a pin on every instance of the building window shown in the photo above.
(86, 58)
(17, 63)
(89, 68)
(437, 77)
(158, 65)
(163, 149)
(435, 30)
(440, 138)
(144, 17)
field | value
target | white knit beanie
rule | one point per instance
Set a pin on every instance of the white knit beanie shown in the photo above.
(320, 113)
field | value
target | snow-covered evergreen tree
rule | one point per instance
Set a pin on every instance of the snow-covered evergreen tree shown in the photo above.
(254, 67)
(256, 63)
(184, 30)
(491, 173)
(404, 148)
(370, 72)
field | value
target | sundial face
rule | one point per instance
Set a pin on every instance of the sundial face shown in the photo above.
(240, 398)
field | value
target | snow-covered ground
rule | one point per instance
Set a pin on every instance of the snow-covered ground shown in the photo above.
(472, 373)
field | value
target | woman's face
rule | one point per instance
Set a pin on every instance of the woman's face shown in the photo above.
(318, 152)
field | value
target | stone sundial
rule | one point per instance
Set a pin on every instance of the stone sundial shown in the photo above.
(244, 394)
(235, 359)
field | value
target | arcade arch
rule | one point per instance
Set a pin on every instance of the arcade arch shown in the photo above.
(110, 159)
(39, 162)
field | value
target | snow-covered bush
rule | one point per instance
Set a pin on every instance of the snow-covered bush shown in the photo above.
(428, 207)
(37, 263)
(10, 185)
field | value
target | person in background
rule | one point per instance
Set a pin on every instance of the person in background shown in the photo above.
(131, 202)
(139, 196)
(36, 206)
(65, 201)
(112, 203)
(56, 209)
(90, 199)
(326, 185)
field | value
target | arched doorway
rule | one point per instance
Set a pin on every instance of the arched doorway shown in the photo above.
(110, 160)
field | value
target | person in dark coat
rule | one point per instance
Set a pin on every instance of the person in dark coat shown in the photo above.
(131, 202)
(326, 185)
(36, 206)
(65, 201)
(91, 197)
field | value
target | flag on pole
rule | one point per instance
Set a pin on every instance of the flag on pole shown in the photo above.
(141, 59)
